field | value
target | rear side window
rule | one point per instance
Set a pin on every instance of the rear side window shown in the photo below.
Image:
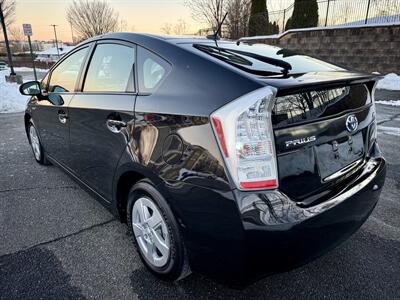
(111, 69)
(64, 76)
(152, 70)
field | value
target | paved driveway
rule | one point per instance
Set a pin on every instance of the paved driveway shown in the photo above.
(57, 242)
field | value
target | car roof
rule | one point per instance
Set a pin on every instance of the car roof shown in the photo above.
(275, 57)
(172, 39)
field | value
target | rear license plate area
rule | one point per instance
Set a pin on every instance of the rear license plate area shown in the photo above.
(338, 154)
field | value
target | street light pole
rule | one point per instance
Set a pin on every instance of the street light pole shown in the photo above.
(55, 35)
(3, 24)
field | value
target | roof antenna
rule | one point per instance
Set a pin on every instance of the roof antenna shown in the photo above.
(215, 36)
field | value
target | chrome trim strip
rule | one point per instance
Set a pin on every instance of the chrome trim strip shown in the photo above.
(372, 164)
(278, 210)
(344, 170)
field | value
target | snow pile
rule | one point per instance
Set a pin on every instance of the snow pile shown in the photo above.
(389, 102)
(389, 82)
(26, 69)
(389, 130)
(11, 100)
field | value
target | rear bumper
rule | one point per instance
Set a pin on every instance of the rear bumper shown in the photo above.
(241, 236)
(279, 235)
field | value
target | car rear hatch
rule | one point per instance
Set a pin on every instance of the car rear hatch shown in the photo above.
(322, 118)
(323, 125)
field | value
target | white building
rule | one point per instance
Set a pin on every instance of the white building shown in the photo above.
(51, 54)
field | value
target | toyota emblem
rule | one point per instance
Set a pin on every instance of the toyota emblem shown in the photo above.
(351, 123)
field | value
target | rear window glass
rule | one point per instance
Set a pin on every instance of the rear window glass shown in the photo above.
(308, 106)
(299, 63)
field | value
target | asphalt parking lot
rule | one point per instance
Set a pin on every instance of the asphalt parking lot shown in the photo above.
(57, 242)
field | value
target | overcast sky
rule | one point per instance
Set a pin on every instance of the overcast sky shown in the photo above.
(141, 15)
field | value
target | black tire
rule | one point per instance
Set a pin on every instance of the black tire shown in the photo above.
(177, 266)
(42, 158)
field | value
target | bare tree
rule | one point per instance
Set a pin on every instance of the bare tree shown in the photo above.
(210, 12)
(339, 14)
(123, 25)
(237, 21)
(16, 33)
(89, 18)
(389, 11)
(180, 28)
(167, 28)
(16, 38)
(8, 7)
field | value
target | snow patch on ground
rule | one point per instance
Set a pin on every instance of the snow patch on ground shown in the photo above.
(389, 102)
(11, 100)
(26, 69)
(389, 130)
(389, 82)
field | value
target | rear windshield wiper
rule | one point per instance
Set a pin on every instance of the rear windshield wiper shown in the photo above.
(214, 51)
(230, 56)
(233, 59)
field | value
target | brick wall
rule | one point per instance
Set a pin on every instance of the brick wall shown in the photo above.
(367, 48)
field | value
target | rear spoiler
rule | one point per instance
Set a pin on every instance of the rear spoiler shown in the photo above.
(320, 81)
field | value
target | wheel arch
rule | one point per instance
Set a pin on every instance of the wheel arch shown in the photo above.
(126, 176)
(27, 117)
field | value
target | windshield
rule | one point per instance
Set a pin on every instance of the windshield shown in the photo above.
(299, 63)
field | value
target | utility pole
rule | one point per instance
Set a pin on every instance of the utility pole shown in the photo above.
(284, 19)
(3, 24)
(55, 35)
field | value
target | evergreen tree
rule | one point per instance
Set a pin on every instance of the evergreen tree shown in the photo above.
(305, 14)
(258, 23)
(288, 24)
(275, 28)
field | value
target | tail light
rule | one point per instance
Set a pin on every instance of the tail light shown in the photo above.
(373, 136)
(244, 132)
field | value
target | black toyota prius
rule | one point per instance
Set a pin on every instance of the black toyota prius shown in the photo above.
(229, 159)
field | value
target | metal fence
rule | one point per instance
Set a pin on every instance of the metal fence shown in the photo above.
(346, 12)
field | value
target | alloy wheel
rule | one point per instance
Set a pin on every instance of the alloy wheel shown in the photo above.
(35, 144)
(151, 232)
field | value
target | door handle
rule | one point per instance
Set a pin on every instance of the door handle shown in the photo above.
(62, 116)
(115, 125)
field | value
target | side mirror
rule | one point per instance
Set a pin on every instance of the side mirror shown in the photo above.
(30, 88)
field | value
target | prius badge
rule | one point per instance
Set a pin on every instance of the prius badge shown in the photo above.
(301, 141)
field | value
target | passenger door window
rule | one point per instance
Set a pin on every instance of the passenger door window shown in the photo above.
(152, 70)
(64, 76)
(111, 69)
